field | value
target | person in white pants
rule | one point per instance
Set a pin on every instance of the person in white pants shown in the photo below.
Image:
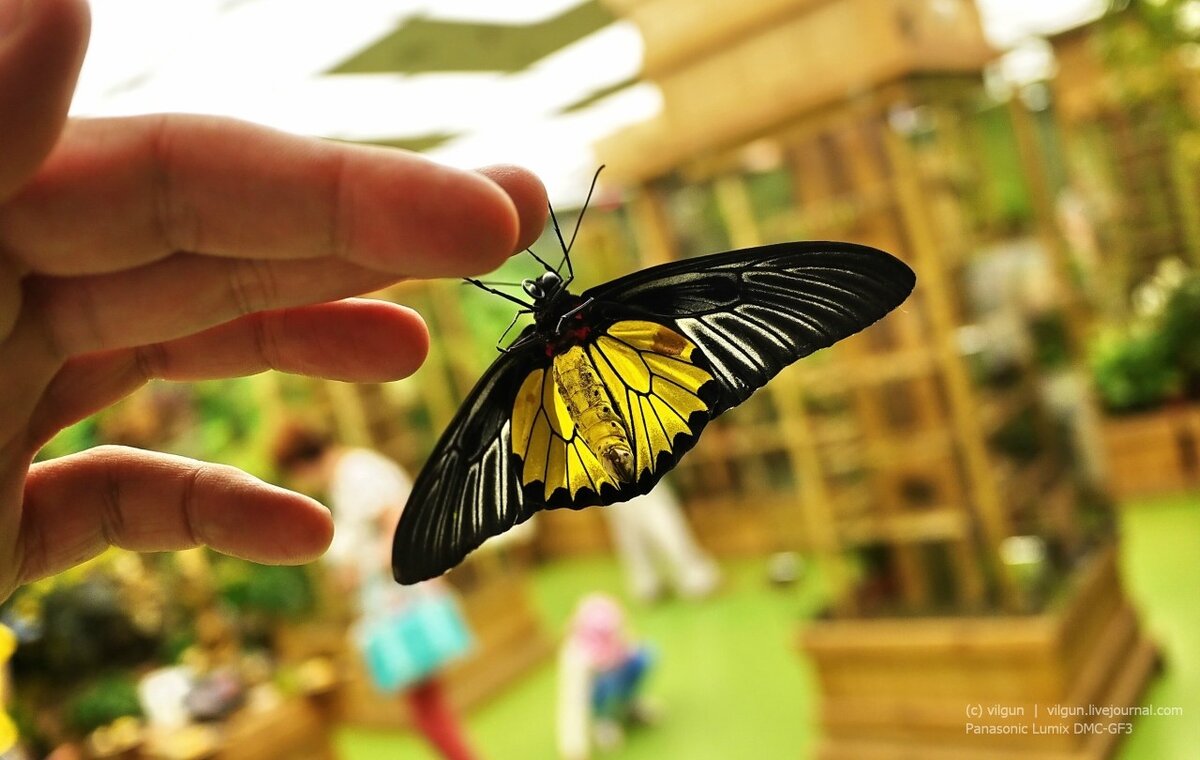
(657, 548)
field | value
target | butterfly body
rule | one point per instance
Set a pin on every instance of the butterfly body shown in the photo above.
(592, 409)
(604, 393)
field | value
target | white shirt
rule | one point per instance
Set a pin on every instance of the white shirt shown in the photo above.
(363, 486)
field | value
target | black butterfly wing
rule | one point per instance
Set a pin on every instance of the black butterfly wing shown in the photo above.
(468, 490)
(753, 312)
(749, 313)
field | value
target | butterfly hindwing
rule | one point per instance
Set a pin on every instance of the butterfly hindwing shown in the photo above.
(654, 380)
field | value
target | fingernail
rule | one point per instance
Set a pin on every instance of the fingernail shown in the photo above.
(12, 12)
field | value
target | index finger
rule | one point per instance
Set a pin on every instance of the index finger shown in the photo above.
(118, 193)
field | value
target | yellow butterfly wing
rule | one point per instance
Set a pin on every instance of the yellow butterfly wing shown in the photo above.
(650, 376)
(545, 438)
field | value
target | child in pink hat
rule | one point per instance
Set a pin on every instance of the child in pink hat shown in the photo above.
(601, 671)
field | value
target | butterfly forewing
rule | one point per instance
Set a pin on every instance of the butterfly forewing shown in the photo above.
(755, 311)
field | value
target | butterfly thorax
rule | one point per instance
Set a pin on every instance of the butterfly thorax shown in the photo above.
(575, 330)
(558, 333)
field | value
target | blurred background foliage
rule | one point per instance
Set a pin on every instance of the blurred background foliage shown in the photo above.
(1154, 358)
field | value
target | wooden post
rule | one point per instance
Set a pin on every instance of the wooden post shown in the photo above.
(910, 561)
(737, 210)
(936, 290)
(446, 308)
(651, 227)
(812, 495)
(349, 416)
(1045, 219)
(1187, 194)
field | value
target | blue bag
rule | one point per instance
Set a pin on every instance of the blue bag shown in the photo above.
(404, 647)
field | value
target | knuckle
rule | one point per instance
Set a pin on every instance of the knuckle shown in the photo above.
(150, 360)
(266, 341)
(338, 224)
(252, 285)
(176, 224)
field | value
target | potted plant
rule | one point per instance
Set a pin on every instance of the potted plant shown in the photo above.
(1147, 377)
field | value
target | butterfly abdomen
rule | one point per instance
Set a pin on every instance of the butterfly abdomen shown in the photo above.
(593, 413)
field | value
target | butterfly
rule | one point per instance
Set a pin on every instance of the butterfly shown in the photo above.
(606, 390)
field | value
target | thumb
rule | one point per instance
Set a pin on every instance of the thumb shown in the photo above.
(41, 48)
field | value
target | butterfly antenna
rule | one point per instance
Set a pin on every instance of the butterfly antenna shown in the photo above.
(558, 232)
(586, 202)
(540, 260)
(566, 247)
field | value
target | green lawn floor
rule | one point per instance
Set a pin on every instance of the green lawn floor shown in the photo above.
(1160, 562)
(731, 682)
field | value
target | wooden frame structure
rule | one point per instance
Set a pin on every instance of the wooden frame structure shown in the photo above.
(892, 444)
(1132, 146)
(906, 459)
(906, 463)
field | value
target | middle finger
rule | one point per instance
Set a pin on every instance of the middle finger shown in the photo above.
(184, 294)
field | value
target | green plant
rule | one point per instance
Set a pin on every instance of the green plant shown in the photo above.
(272, 592)
(1177, 326)
(1157, 357)
(1134, 370)
(83, 628)
(1050, 340)
(1018, 438)
(105, 700)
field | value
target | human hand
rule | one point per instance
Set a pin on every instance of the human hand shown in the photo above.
(187, 248)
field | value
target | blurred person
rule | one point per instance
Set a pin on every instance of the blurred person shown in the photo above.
(187, 248)
(657, 549)
(406, 634)
(601, 671)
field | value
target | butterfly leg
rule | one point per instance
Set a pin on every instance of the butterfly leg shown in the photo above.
(563, 319)
(500, 340)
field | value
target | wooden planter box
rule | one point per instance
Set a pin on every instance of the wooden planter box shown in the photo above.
(916, 688)
(297, 728)
(1153, 454)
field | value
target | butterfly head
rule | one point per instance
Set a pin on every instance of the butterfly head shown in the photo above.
(544, 288)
